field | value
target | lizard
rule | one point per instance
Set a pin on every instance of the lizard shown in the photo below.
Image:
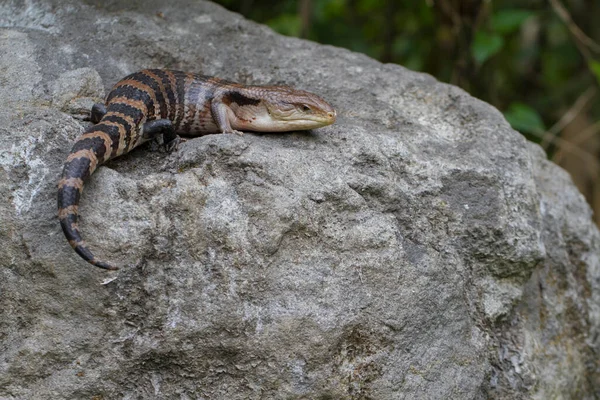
(153, 102)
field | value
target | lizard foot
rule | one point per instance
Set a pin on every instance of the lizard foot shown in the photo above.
(173, 145)
(239, 133)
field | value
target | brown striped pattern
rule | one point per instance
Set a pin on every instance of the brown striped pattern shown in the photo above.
(180, 89)
(198, 98)
(87, 154)
(131, 102)
(146, 95)
(76, 183)
(142, 96)
(134, 103)
(173, 95)
(164, 104)
(68, 210)
(189, 108)
(140, 86)
(105, 138)
(121, 115)
(123, 134)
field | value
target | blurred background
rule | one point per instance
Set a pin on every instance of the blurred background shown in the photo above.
(537, 61)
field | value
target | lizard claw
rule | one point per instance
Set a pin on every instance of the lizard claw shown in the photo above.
(173, 145)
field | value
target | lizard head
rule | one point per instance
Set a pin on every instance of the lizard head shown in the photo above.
(298, 109)
(282, 108)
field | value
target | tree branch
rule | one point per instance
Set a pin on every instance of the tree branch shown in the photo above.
(563, 14)
(549, 136)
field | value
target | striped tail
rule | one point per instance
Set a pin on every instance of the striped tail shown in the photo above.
(115, 134)
(87, 152)
(132, 101)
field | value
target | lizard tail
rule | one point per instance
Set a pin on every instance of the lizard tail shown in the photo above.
(129, 103)
(117, 132)
(87, 153)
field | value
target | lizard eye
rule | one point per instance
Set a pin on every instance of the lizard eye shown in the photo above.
(306, 108)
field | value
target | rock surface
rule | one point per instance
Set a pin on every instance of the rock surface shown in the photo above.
(418, 248)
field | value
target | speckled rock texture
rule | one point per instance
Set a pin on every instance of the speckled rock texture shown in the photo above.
(417, 249)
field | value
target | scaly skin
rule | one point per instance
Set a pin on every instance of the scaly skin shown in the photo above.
(153, 102)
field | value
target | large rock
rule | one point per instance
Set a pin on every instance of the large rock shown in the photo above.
(418, 248)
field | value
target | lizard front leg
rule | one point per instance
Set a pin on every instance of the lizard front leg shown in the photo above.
(222, 115)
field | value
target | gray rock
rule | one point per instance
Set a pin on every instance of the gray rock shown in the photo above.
(418, 248)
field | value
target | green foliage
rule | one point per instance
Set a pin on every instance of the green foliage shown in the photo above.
(486, 45)
(524, 118)
(509, 21)
(595, 68)
(286, 24)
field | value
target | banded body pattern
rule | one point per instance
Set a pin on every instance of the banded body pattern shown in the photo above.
(155, 101)
(142, 96)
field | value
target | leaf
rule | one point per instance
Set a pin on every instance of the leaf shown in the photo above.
(286, 24)
(508, 21)
(524, 118)
(485, 45)
(594, 66)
